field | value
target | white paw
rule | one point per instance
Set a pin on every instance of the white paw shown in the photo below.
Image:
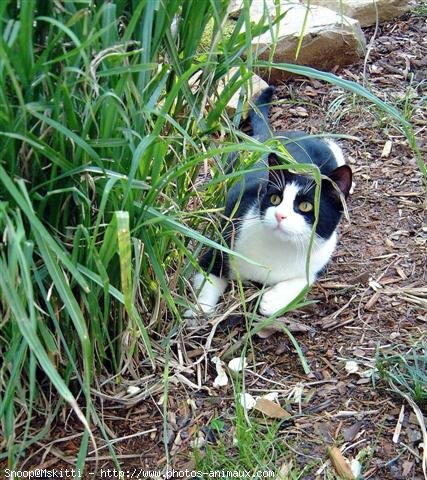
(199, 309)
(193, 316)
(189, 314)
(193, 321)
(270, 303)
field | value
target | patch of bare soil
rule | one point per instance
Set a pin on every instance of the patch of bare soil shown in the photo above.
(370, 298)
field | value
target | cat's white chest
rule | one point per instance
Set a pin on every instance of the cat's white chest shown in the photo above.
(279, 259)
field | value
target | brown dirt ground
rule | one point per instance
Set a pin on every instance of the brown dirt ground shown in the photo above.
(367, 300)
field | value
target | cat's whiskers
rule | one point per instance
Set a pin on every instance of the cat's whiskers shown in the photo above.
(277, 183)
(237, 223)
(244, 221)
(308, 187)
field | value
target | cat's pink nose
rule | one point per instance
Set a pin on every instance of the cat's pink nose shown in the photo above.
(279, 216)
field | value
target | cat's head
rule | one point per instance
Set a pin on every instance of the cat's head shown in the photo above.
(288, 205)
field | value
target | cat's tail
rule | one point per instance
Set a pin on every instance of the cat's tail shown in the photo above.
(259, 116)
(260, 126)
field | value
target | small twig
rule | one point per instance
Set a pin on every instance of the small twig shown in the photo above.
(399, 423)
(421, 423)
(121, 439)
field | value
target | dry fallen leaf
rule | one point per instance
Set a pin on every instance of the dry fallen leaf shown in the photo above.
(272, 396)
(271, 409)
(247, 401)
(356, 468)
(221, 380)
(387, 149)
(299, 111)
(349, 433)
(199, 441)
(372, 301)
(351, 366)
(237, 364)
(132, 390)
(389, 243)
(296, 393)
(291, 325)
(340, 464)
(376, 69)
(284, 471)
(406, 468)
(266, 332)
(311, 92)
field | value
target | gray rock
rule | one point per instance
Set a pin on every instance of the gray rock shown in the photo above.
(259, 8)
(366, 10)
(329, 39)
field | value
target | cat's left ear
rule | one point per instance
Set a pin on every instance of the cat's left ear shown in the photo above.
(342, 176)
(274, 175)
(273, 160)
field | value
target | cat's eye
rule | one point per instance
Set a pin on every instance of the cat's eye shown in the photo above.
(275, 199)
(305, 207)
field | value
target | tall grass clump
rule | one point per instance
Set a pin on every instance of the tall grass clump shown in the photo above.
(101, 139)
(107, 111)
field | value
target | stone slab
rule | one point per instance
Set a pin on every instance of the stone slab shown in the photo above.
(329, 40)
(367, 11)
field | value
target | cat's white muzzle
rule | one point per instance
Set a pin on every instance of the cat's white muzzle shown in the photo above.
(291, 226)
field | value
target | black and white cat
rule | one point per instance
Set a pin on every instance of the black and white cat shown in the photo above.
(271, 217)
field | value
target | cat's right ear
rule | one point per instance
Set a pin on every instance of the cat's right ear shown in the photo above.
(342, 177)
